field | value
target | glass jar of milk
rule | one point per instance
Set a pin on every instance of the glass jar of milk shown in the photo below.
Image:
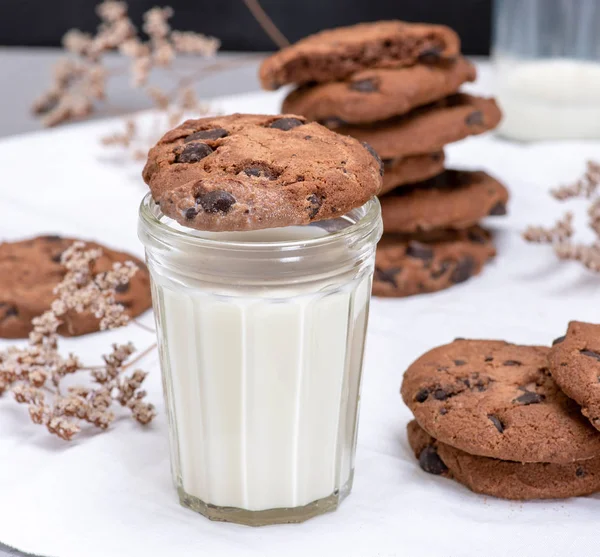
(261, 339)
(547, 58)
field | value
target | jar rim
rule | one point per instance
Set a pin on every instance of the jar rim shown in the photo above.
(362, 220)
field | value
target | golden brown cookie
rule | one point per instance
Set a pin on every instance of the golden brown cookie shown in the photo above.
(417, 264)
(248, 172)
(407, 170)
(31, 269)
(337, 53)
(495, 399)
(455, 199)
(575, 366)
(378, 94)
(429, 128)
(503, 478)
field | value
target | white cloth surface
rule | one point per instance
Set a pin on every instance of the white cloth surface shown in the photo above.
(110, 494)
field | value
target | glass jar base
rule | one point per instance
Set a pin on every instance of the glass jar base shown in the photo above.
(268, 516)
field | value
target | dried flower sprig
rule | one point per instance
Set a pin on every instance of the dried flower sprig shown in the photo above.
(34, 372)
(560, 236)
(80, 80)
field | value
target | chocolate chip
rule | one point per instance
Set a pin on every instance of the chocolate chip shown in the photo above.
(261, 171)
(440, 394)
(315, 205)
(286, 124)
(387, 275)
(194, 152)
(437, 273)
(332, 122)
(122, 287)
(590, 354)
(580, 472)
(528, 398)
(443, 411)
(430, 461)
(217, 133)
(488, 359)
(558, 340)
(374, 155)
(480, 386)
(466, 382)
(422, 395)
(52, 238)
(459, 362)
(463, 270)
(477, 236)
(308, 137)
(217, 201)
(430, 55)
(459, 338)
(498, 209)
(512, 363)
(190, 213)
(475, 118)
(419, 251)
(12, 311)
(364, 85)
(497, 423)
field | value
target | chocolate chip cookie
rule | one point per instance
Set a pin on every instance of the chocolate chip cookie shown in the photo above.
(502, 478)
(495, 399)
(337, 53)
(378, 94)
(31, 269)
(426, 129)
(248, 172)
(406, 170)
(416, 264)
(575, 366)
(455, 199)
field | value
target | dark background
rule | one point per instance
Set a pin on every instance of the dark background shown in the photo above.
(43, 22)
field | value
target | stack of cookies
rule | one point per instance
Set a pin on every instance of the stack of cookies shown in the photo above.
(394, 86)
(517, 422)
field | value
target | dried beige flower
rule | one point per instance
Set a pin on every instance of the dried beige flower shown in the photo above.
(585, 186)
(560, 236)
(34, 372)
(80, 80)
(562, 230)
(156, 23)
(188, 42)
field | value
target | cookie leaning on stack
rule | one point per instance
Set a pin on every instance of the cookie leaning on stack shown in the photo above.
(492, 415)
(394, 85)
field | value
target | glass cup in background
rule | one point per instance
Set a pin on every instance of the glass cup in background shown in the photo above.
(261, 338)
(547, 60)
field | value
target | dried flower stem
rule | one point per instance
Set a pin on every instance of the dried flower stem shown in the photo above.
(142, 326)
(267, 23)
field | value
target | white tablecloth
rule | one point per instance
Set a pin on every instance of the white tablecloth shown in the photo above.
(110, 495)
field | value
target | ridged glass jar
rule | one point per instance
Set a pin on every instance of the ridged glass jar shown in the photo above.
(261, 338)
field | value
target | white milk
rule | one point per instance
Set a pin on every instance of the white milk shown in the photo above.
(262, 385)
(549, 99)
